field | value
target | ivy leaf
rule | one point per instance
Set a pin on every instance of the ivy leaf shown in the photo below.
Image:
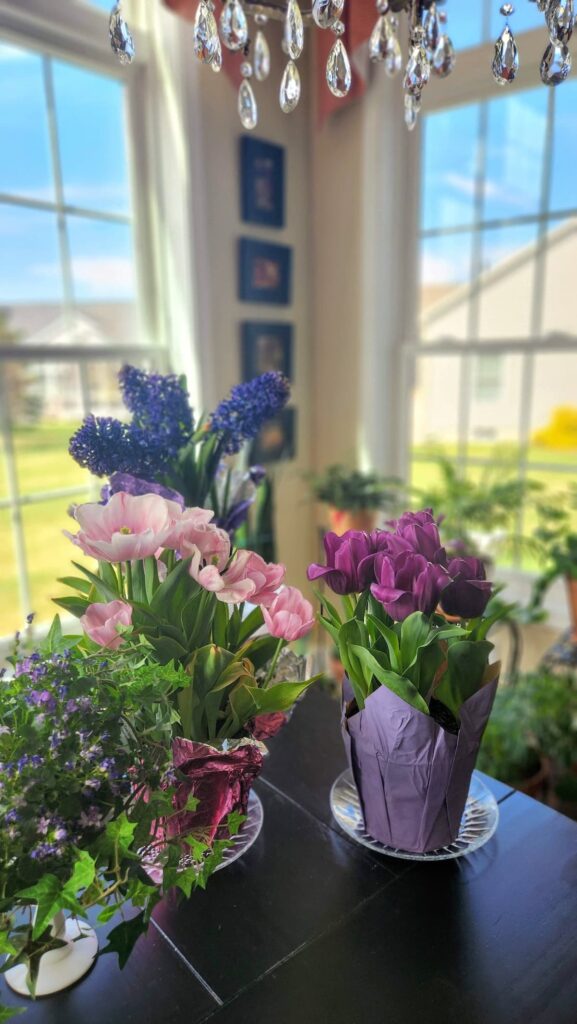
(7, 1012)
(124, 937)
(83, 874)
(47, 894)
(119, 835)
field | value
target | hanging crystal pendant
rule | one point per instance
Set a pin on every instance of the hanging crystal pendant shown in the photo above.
(556, 64)
(418, 68)
(379, 41)
(432, 29)
(326, 12)
(261, 57)
(506, 60)
(560, 18)
(233, 25)
(339, 70)
(290, 88)
(206, 41)
(216, 62)
(294, 36)
(444, 58)
(247, 108)
(412, 108)
(120, 38)
(394, 56)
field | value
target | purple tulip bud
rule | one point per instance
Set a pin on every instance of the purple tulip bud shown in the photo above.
(418, 532)
(469, 591)
(409, 583)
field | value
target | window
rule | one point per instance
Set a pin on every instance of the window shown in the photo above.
(496, 357)
(68, 302)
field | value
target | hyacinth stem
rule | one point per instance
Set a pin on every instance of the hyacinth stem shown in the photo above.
(273, 663)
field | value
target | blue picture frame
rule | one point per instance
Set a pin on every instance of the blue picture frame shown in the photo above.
(277, 439)
(266, 346)
(262, 182)
(264, 272)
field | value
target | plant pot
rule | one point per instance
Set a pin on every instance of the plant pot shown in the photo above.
(341, 520)
(412, 775)
(572, 602)
(220, 779)
(538, 784)
(59, 968)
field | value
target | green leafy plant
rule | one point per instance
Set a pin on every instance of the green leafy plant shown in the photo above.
(557, 536)
(353, 490)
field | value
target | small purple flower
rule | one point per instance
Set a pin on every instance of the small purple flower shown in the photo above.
(469, 591)
(30, 618)
(44, 824)
(409, 583)
(92, 819)
(42, 699)
(60, 834)
(11, 817)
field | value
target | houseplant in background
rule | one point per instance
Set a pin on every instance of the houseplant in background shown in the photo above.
(480, 515)
(354, 497)
(85, 801)
(419, 689)
(163, 450)
(169, 581)
(557, 534)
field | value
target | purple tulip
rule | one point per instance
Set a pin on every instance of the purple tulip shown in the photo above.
(418, 532)
(469, 591)
(350, 560)
(409, 583)
(135, 485)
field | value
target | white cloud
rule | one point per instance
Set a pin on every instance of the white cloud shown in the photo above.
(97, 278)
(12, 53)
(442, 270)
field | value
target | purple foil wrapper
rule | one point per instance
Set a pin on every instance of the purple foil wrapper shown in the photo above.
(412, 776)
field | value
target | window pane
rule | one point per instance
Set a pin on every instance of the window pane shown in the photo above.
(29, 257)
(448, 167)
(554, 421)
(563, 181)
(526, 17)
(11, 616)
(436, 405)
(495, 404)
(48, 551)
(102, 260)
(506, 282)
(25, 167)
(515, 148)
(91, 131)
(465, 23)
(445, 274)
(559, 292)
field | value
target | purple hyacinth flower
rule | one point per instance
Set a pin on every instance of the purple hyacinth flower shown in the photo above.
(136, 485)
(409, 583)
(469, 591)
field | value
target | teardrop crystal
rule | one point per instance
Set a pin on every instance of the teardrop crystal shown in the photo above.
(216, 62)
(206, 41)
(120, 38)
(294, 35)
(339, 70)
(247, 108)
(233, 25)
(506, 60)
(290, 88)
(556, 64)
(261, 57)
(412, 108)
(326, 12)
(560, 17)
(444, 58)
(379, 41)
(418, 69)
(432, 29)
(394, 57)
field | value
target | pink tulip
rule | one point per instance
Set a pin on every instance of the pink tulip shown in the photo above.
(290, 615)
(100, 622)
(248, 577)
(212, 543)
(128, 527)
(266, 577)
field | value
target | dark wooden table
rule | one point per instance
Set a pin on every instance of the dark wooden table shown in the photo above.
(309, 928)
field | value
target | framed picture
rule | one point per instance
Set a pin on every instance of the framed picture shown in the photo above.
(265, 347)
(262, 182)
(264, 272)
(276, 440)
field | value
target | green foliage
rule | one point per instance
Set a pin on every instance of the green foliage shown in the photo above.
(558, 539)
(352, 489)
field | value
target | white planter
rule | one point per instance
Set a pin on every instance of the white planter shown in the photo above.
(62, 967)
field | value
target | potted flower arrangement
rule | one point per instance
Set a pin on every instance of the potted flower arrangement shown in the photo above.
(419, 688)
(163, 450)
(87, 780)
(354, 497)
(169, 579)
(557, 535)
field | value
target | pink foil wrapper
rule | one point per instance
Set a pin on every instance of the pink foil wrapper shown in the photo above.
(265, 726)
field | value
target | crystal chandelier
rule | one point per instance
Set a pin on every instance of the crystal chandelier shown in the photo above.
(241, 24)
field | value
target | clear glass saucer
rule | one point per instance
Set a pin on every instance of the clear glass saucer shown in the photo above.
(479, 822)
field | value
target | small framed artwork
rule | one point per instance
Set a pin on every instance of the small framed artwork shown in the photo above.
(276, 440)
(266, 347)
(262, 182)
(264, 272)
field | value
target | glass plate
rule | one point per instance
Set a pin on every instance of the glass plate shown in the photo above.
(479, 822)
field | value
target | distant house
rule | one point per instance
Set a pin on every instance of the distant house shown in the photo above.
(504, 299)
(56, 390)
